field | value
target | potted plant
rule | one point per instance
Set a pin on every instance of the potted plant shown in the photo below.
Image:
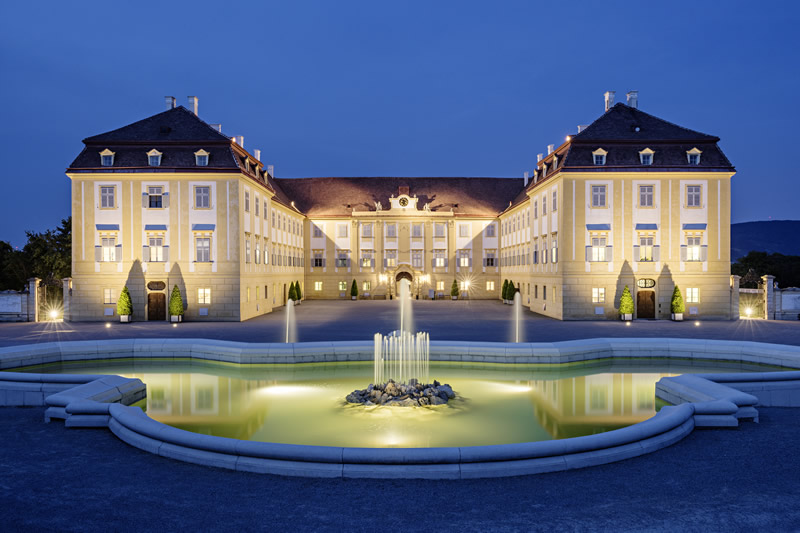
(124, 305)
(626, 304)
(354, 291)
(504, 291)
(175, 305)
(298, 292)
(292, 294)
(676, 305)
(454, 290)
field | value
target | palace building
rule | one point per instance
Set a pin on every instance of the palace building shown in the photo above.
(629, 200)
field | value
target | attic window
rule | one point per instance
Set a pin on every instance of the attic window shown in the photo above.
(154, 158)
(599, 157)
(201, 158)
(107, 158)
(646, 156)
(693, 156)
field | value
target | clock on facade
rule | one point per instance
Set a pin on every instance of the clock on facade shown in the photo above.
(403, 202)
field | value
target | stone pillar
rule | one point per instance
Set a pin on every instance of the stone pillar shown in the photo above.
(33, 299)
(67, 292)
(734, 297)
(769, 296)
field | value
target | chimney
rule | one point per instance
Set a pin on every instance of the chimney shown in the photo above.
(550, 148)
(526, 179)
(257, 154)
(193, 104)
(609, 99)
(271, 170)
(217, 127)
(539, 157)
(633, 99)
(170, 100)
(582, 127)
(239, 139)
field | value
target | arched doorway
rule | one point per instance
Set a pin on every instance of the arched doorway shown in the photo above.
(404, 275)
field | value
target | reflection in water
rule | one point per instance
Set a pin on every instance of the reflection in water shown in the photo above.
(304, 404)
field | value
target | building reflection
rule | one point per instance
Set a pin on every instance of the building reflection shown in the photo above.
(585, 405)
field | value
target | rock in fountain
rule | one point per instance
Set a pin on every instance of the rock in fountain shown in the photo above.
(402, 361)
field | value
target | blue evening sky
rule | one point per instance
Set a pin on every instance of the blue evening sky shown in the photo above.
(380, 88)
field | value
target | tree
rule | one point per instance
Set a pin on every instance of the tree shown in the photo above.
(297, 291)
(626, 302)
(504, 291)
(292, 292)
(175, 302)
(354, 289)
(785, 268)
(454, 288)
(676, 305)
(124, 303)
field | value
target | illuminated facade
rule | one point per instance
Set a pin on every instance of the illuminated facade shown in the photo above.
(630, 200)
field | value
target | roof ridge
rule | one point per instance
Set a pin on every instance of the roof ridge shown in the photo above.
(619, 107)
(139, 123)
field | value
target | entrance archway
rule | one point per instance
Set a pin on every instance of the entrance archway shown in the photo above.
(404, 275)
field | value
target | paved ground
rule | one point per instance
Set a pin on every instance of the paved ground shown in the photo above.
(60, 479)
(445, 320)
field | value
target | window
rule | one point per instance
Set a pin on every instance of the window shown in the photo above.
(273, 220)
(202, 197)
(155, 198)
(107, 197)
(646, 248)
(598, 249)
(416, 231)
(256, 203)
(440, 285)
(257, 255)
(341, 230)
(535, 209)
(598, 295)
(645, 196)
(247, 201)
(317, 286)
(646, 156)
(490, 285)
(491, 259)
(391, 231)
(692, 295)
(266, 258)
(416, 258)
(544, 251)
(554, 250)
(319, 261)
(490, 230)
(109, 248)
(463, 230)
(247, 250)
(439, 259)
(544, 204)
(204, 296)
(463, 285)
(154, 158)
(693, 244)
(202, 249)
(106, 158)
(366, 286)
(341, 260)
(598, 195)
(439, 230)
(201, 158)
(108, 296)
(317, 231)
(693, 196)
(599, 157)
(156, 249)
(536, 253)
(463, 258)
(390, 259)
(366, 231)
(342, 285)
(693, 156)
(544, 292)
(366, 259)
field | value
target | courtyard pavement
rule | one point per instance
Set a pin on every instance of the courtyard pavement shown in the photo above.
(478, 320)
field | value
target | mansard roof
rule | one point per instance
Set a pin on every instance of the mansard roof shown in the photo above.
(625, 123)
(173, 125)
(341, 196)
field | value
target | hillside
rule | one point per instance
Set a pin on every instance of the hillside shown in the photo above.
(772, 236)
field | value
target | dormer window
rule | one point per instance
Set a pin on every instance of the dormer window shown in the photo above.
(599, 157)
(646, 156)
(107, 158)
(201, 158)
(693, 156)
(154, 158)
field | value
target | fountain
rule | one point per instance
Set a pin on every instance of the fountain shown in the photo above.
(291, 327)
(402, 360)
(517, 317)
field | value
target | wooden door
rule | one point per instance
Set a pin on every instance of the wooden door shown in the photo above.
(156, 306)
(646, 304)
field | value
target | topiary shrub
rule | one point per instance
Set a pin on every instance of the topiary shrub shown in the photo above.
(626, 302)
(124, 303)
(292, 293)
(676, 305)
(297, 291)
(354, 290)
(454, 288)
(504, 291)
(175, 302)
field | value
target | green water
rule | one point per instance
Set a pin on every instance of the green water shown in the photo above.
(304, 404)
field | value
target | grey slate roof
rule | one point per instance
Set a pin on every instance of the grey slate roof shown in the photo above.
(176, 124)
(620, 123)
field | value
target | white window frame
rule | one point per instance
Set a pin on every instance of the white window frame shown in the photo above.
(341, 231)
(155, 195)
(366, 231)
(463, 231)
(199, 195)
(416, 230)
(108, 195)
(317, 286)
(646, 156)
(108, 244)
(598, 295)
(599, 157)
(155, 244)
(694, 196)
(154, 158)
(692, 295)
(201, 158)
(647, 197)
(598, 243)
(694, 153)
(107, 154)
(204, 296)
(202, 254)
(599, 196)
